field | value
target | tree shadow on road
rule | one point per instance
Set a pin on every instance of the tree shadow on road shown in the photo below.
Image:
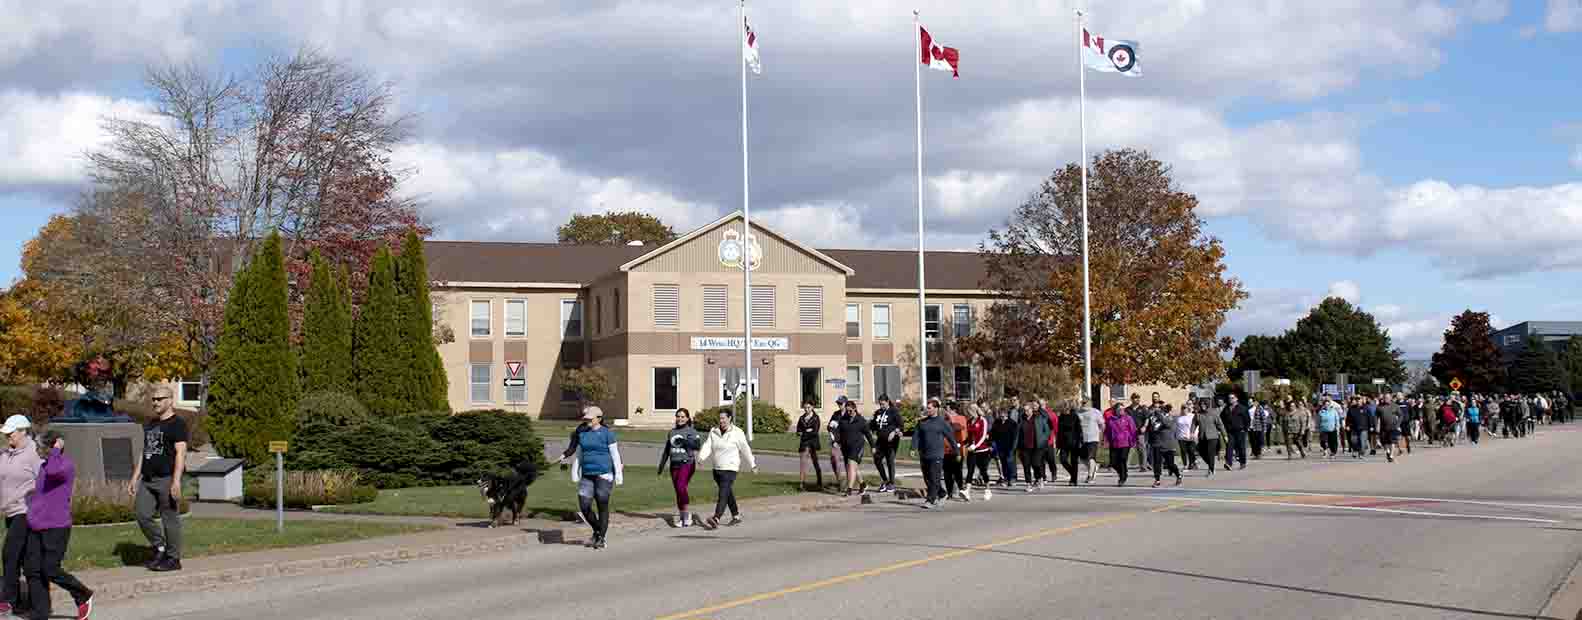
(1145, 569)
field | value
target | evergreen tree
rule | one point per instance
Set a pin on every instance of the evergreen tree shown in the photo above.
(1536, 369)
(1573, 364)
(379, 370)
(253, 394)
(326, 331)
(427, 384)
(1469, 354)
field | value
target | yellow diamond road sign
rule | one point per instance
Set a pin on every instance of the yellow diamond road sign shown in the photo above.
(1455, 384)
(277, 446)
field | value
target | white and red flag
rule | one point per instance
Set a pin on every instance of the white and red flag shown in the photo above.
(939, 57)
(750, 49)
(1110, 55)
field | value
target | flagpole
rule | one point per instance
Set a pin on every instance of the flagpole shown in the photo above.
(1082, 116)
(922, 308)
(747, 227)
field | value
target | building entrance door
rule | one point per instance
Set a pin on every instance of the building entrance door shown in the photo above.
(811, 379)
(732, 383)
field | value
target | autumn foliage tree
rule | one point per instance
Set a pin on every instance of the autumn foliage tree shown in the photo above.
(615, 229)
(1159, 288)
(1469, 354)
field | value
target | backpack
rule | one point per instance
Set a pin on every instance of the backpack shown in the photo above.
(1447, 415)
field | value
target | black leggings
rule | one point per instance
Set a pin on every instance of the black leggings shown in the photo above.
(1118, 462)
(1068, 459)
(1032, 465)
(978, 463)
(598, 494)
(1329, 441)
(727, 499)
(1209, 450)
(884, 460)
(953, 479)
(1165, 459)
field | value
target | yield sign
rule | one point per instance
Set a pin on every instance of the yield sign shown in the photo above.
(513, 370)
(1455, 383)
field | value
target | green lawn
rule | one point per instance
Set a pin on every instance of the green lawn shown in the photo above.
(124, 545)
(555, 496)
(767, 442)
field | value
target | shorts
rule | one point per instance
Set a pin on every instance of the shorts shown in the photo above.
(810, 444)
(1090, 450)
(852, 454)
(1389, 435)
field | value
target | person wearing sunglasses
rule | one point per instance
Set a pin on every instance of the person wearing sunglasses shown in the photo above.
(156, 482)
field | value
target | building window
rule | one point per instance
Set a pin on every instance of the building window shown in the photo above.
(764, 307)
(515, 318)
(598, 315)
(515, 394)
(731, 385)
(481, 380)
(665, 383)
(1118, 390)
(1512, 339)
(931, 322)
(810, 307)
(887, 382)
(617, 294)
(964, 383)
(961, 315)
(480, 318)
(854, 383)
(716, 306)
(667, 305)
(190, 392)
(933, 382)
(881, 321)
(571, 319)
(853, 320)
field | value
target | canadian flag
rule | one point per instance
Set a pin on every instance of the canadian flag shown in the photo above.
(940, 57)
(750, 49)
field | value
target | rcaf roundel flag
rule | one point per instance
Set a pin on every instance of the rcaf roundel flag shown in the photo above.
(1110, 55)
(939, 57)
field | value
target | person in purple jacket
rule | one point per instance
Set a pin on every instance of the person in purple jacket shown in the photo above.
(1121, 433)
(49, 522)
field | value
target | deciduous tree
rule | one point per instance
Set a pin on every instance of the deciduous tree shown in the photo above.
(1159, 288)
(615, 229)
(1336, 337)
(1469, 354)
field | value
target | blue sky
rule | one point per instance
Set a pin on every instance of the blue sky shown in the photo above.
(1418, 157)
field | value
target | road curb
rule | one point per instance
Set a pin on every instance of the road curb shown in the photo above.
(1566, 602)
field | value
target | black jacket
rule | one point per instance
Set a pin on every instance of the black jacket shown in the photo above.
(1238, 418)
(886, 423)
(931, 437)
(851, 432)
(1068, 434)
(808, 430)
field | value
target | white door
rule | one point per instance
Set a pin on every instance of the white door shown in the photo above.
(731, 384)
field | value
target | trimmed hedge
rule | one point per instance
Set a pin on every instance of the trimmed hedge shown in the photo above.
(421, 449)
(767, 418)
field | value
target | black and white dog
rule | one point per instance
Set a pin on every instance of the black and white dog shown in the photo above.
(507, 491)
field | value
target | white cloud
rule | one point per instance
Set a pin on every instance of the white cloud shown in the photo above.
(1487, 11)
(1347, 290)
(43, 139)
(522, 194)
(1563, 16)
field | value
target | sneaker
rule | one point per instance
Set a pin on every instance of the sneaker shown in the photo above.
(964, 496)
(5, 609)
(598, 543)
(1178, 479)
(713, 523)
(1389, 458)
(735, 521)
(159, 556)
(1156, 484)
(927, 505)
(167, 565)
(677, 522)
(85, 608)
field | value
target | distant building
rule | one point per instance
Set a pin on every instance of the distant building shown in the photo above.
(1512, 341)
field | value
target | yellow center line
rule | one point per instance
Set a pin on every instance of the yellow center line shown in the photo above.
(833, 581)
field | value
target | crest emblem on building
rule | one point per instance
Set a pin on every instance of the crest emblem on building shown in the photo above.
(732, 250)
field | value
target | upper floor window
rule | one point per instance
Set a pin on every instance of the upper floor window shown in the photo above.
(571, 319)
(931, 321)
(515, 317)
(480, 318)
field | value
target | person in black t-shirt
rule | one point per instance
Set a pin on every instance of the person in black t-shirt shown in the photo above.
(156, 482)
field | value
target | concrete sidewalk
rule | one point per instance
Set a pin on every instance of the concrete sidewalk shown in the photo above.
(460, 537)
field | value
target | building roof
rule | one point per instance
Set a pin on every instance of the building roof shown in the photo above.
(457, 262)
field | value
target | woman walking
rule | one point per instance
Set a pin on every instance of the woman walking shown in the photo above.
(978, 447)
(727, 446)
(1004, 434)
(807, 432)
(1186, 435)
(1120, 432)
(1209, 428)
(1068, 435)
(851, 433)
(1035, 436)
(1294, 419)
(596, 468)
(1162, 437)
(19, 465)
(679, 451)
(49, 524)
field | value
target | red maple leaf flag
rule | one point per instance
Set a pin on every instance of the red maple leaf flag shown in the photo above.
(939, 57)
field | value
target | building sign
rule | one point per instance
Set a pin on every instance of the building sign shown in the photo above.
(732, 249)
(716, 343)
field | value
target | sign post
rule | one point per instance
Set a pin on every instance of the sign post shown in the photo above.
(279, 448)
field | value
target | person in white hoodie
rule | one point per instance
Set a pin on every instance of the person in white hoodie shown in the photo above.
(19, 465)
(728, 449)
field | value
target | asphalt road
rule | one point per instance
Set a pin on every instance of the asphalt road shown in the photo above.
(1485, 531)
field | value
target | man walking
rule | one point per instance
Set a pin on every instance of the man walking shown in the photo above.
(1210, 429)
(1258, 433)
(1139, 414)
(886, 429)
(1238, 418)
(1294, 421)
(929, 440)
(1389, 415)
(1092, 429)
(156, 482)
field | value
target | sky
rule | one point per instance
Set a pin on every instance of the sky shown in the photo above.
(1415, 157)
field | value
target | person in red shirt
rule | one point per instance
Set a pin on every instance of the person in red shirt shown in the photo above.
(978, 448)
(955, 483)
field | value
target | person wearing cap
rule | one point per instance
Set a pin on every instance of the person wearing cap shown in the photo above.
(49, 530)
(886, 428)
(156, 481)
(728, 449)
(18, 471)
(597, 470)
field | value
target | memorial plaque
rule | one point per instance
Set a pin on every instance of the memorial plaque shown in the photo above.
(117, 458)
